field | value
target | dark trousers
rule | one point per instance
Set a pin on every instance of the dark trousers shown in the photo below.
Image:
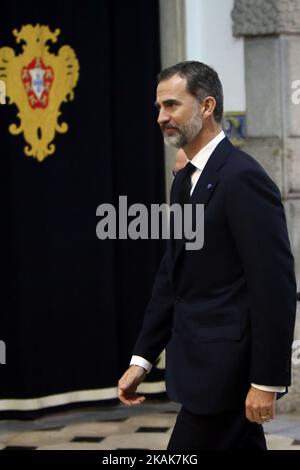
(223, 431)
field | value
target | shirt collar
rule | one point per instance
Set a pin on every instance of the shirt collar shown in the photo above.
(201, 158)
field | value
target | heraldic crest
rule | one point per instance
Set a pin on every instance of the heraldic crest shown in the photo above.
(38, 82)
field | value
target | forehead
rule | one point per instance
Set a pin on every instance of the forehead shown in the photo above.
(174, 87)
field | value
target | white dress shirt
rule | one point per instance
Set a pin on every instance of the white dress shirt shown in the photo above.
(199, 161)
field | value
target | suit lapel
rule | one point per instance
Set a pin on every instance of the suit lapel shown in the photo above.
(203, 190)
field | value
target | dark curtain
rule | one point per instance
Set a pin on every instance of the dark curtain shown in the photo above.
(71, 304)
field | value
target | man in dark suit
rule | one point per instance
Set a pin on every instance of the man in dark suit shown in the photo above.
(226, 312)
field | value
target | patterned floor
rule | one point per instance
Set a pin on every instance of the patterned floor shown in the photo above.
(146, 427)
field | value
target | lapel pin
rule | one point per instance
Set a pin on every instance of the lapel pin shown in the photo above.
(209, 186)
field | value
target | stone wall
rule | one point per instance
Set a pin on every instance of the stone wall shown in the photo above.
(271, 29)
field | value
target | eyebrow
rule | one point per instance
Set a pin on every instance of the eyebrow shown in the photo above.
(167, 103)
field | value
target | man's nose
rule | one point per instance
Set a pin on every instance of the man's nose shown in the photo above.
(163, 117)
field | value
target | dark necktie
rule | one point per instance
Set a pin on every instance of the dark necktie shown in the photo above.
(186, 183)
(183, 198)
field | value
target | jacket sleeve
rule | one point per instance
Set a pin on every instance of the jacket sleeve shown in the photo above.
(258, 225)
(157, 325)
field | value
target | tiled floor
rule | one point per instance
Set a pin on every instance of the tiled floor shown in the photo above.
(144, 427)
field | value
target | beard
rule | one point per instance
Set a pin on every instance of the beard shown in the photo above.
(184, 134)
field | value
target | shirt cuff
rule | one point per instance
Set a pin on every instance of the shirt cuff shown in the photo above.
(270, 388)
(140, 361)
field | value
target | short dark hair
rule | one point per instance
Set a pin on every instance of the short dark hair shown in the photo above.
(202, 81)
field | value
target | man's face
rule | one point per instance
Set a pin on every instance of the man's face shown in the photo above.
(179, 116)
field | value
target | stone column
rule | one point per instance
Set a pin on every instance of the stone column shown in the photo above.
(271, 31)
(173, 50)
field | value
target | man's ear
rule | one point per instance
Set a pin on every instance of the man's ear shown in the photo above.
(209, 104)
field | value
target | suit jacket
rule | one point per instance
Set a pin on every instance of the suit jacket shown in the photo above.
(226, 312)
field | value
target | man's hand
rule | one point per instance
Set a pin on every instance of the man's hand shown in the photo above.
(260, 405)
(128, 384)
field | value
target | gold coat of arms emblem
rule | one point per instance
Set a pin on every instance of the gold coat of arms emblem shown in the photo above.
(38, 82)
